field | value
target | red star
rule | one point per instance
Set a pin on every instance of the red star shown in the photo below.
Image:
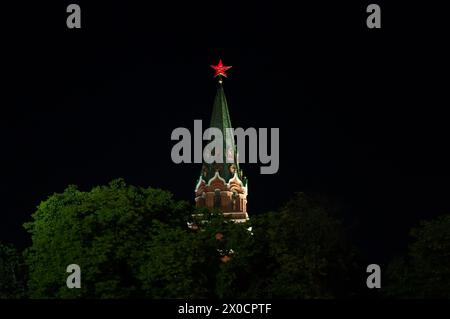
(220, 69)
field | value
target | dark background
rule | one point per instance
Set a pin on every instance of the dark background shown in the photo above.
(362, 113)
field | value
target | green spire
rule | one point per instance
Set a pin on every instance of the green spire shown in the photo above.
(221, 119)
(220, 115)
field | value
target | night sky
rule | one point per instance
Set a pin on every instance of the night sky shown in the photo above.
(362, 113)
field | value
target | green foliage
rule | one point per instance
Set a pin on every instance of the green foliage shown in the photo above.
(134, 242)
(425, 272)
(302, 252)
(172, 264)
(11, 273)
(298, 252)
(103, 231)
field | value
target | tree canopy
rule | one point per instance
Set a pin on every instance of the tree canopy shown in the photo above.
(134, 242)
(103, 231)
(425, 271)
(304, 251)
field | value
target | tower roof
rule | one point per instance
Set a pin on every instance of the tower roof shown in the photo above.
(220, 119)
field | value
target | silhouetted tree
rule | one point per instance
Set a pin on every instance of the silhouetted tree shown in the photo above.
(297, 252)
(425, 271)
(12, 273)
(307, 251)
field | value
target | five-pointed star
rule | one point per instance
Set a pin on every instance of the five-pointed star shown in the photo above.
(220, 69)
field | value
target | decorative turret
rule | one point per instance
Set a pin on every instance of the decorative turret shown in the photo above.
(222, 185)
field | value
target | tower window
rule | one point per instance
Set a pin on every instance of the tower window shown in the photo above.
(217, 198)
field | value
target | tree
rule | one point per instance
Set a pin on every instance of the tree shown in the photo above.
(304, 251)
(184, 263)
(11, 273)
(103, 231)
(134, 242)
(298, 252)
(425, 271)
(128, 242)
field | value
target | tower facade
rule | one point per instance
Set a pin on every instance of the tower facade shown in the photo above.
(222, 185)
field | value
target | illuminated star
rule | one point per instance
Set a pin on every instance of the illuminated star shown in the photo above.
(220, 69)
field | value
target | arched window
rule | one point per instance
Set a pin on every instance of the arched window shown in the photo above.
(217, 198)
(234, 201)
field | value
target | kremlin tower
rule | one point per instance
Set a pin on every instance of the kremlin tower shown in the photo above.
(222, 185)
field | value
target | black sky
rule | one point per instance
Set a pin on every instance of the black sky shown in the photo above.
(362, 113)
